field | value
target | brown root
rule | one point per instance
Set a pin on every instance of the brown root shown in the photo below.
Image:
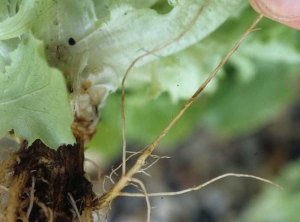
(41, 181)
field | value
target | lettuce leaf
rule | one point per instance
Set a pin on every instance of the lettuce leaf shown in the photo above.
(33, 97)
(29, 12)
(130, 30)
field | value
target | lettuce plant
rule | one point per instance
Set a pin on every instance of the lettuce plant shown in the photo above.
(89, 44)
(60, 60)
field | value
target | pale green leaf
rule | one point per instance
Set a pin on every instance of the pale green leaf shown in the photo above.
(129, 32)
(33, 97)
(4, 12)
(29, 12)
(67, 19)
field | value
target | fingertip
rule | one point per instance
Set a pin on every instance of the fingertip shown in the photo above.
(295, 25)
(255, 6)
(283, 11)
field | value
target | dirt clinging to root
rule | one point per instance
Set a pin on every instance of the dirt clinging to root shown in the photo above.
(43, 183)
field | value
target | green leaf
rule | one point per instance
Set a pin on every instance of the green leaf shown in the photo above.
(129, 32)
(33, 97)
(180, 74)
(4, 10)
(66, 19)
(238, 107)
(29, 12)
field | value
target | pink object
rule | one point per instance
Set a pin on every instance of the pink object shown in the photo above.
(284, 11)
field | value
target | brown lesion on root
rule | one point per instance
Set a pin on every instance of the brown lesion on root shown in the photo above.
(56, 174)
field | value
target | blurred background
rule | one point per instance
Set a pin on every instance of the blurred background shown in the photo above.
(271, 151)
(248, 122)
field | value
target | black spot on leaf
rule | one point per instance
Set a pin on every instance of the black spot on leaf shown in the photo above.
(72, 41)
